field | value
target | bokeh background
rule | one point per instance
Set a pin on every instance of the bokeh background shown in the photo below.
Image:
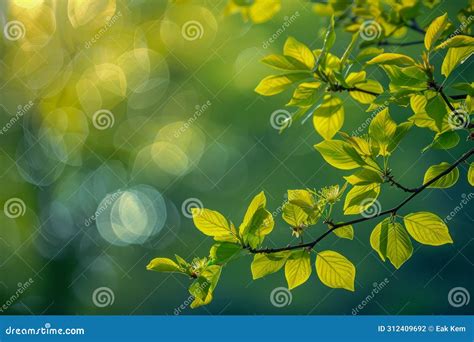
(107, 100)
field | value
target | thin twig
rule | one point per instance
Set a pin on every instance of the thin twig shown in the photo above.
(391, 211)
(387, 43)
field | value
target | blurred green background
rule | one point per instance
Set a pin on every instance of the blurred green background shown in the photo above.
(105, 100)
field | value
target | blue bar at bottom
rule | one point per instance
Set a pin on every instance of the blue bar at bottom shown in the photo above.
(238, 328)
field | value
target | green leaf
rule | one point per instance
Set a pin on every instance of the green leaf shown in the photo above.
(364, 177)
(294, 215)
(275, 84)
(297, 268)
(427, 228)
(437, 110)
(392, 59)
(444, 182)
(381, 130)
(363, 97)
(164, 265)
(409, 78)
(306, 94)
(211, 223)
(400, 132)
(329, 40)
(379, 237)
(349, 49)
(304, 199)
(392, 240)
(435, 30)
(445, 140)
(470, 174)
(223, 252)
(284, 63)
(334, 270)
(344, 232)
(339, 154)
(300, 52)
(456, 41)
(203, 287)
(328, 118)
(455, 57)
(264, 264)
(360, 198)
(257, 222)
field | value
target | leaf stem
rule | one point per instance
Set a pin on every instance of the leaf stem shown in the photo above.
(392, 211)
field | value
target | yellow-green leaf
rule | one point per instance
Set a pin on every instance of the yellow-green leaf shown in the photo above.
(328, 118)
(392, 59)
(222, 252)
(435, 30)
(306, 94)
(163, 265)
(264, 264)
(364, 177)
(427, 228)
(456, 41)
(381, 130)
(444, 182)
(297, 268)
(455, 57)
(344, 232)
(334, 270)
(470, 174)
(257, 222)
(355, 77)
(275, 84)
(394, 242)
(294, 215)
(211, 222)
(339, 154)
(363, 97)
(204, 285)
(299, 51)
(362, 197)
(283, 63)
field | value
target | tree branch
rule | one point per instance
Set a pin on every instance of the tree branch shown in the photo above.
(387, 43)
(391, 211)
(415, 27)
(393, 182)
